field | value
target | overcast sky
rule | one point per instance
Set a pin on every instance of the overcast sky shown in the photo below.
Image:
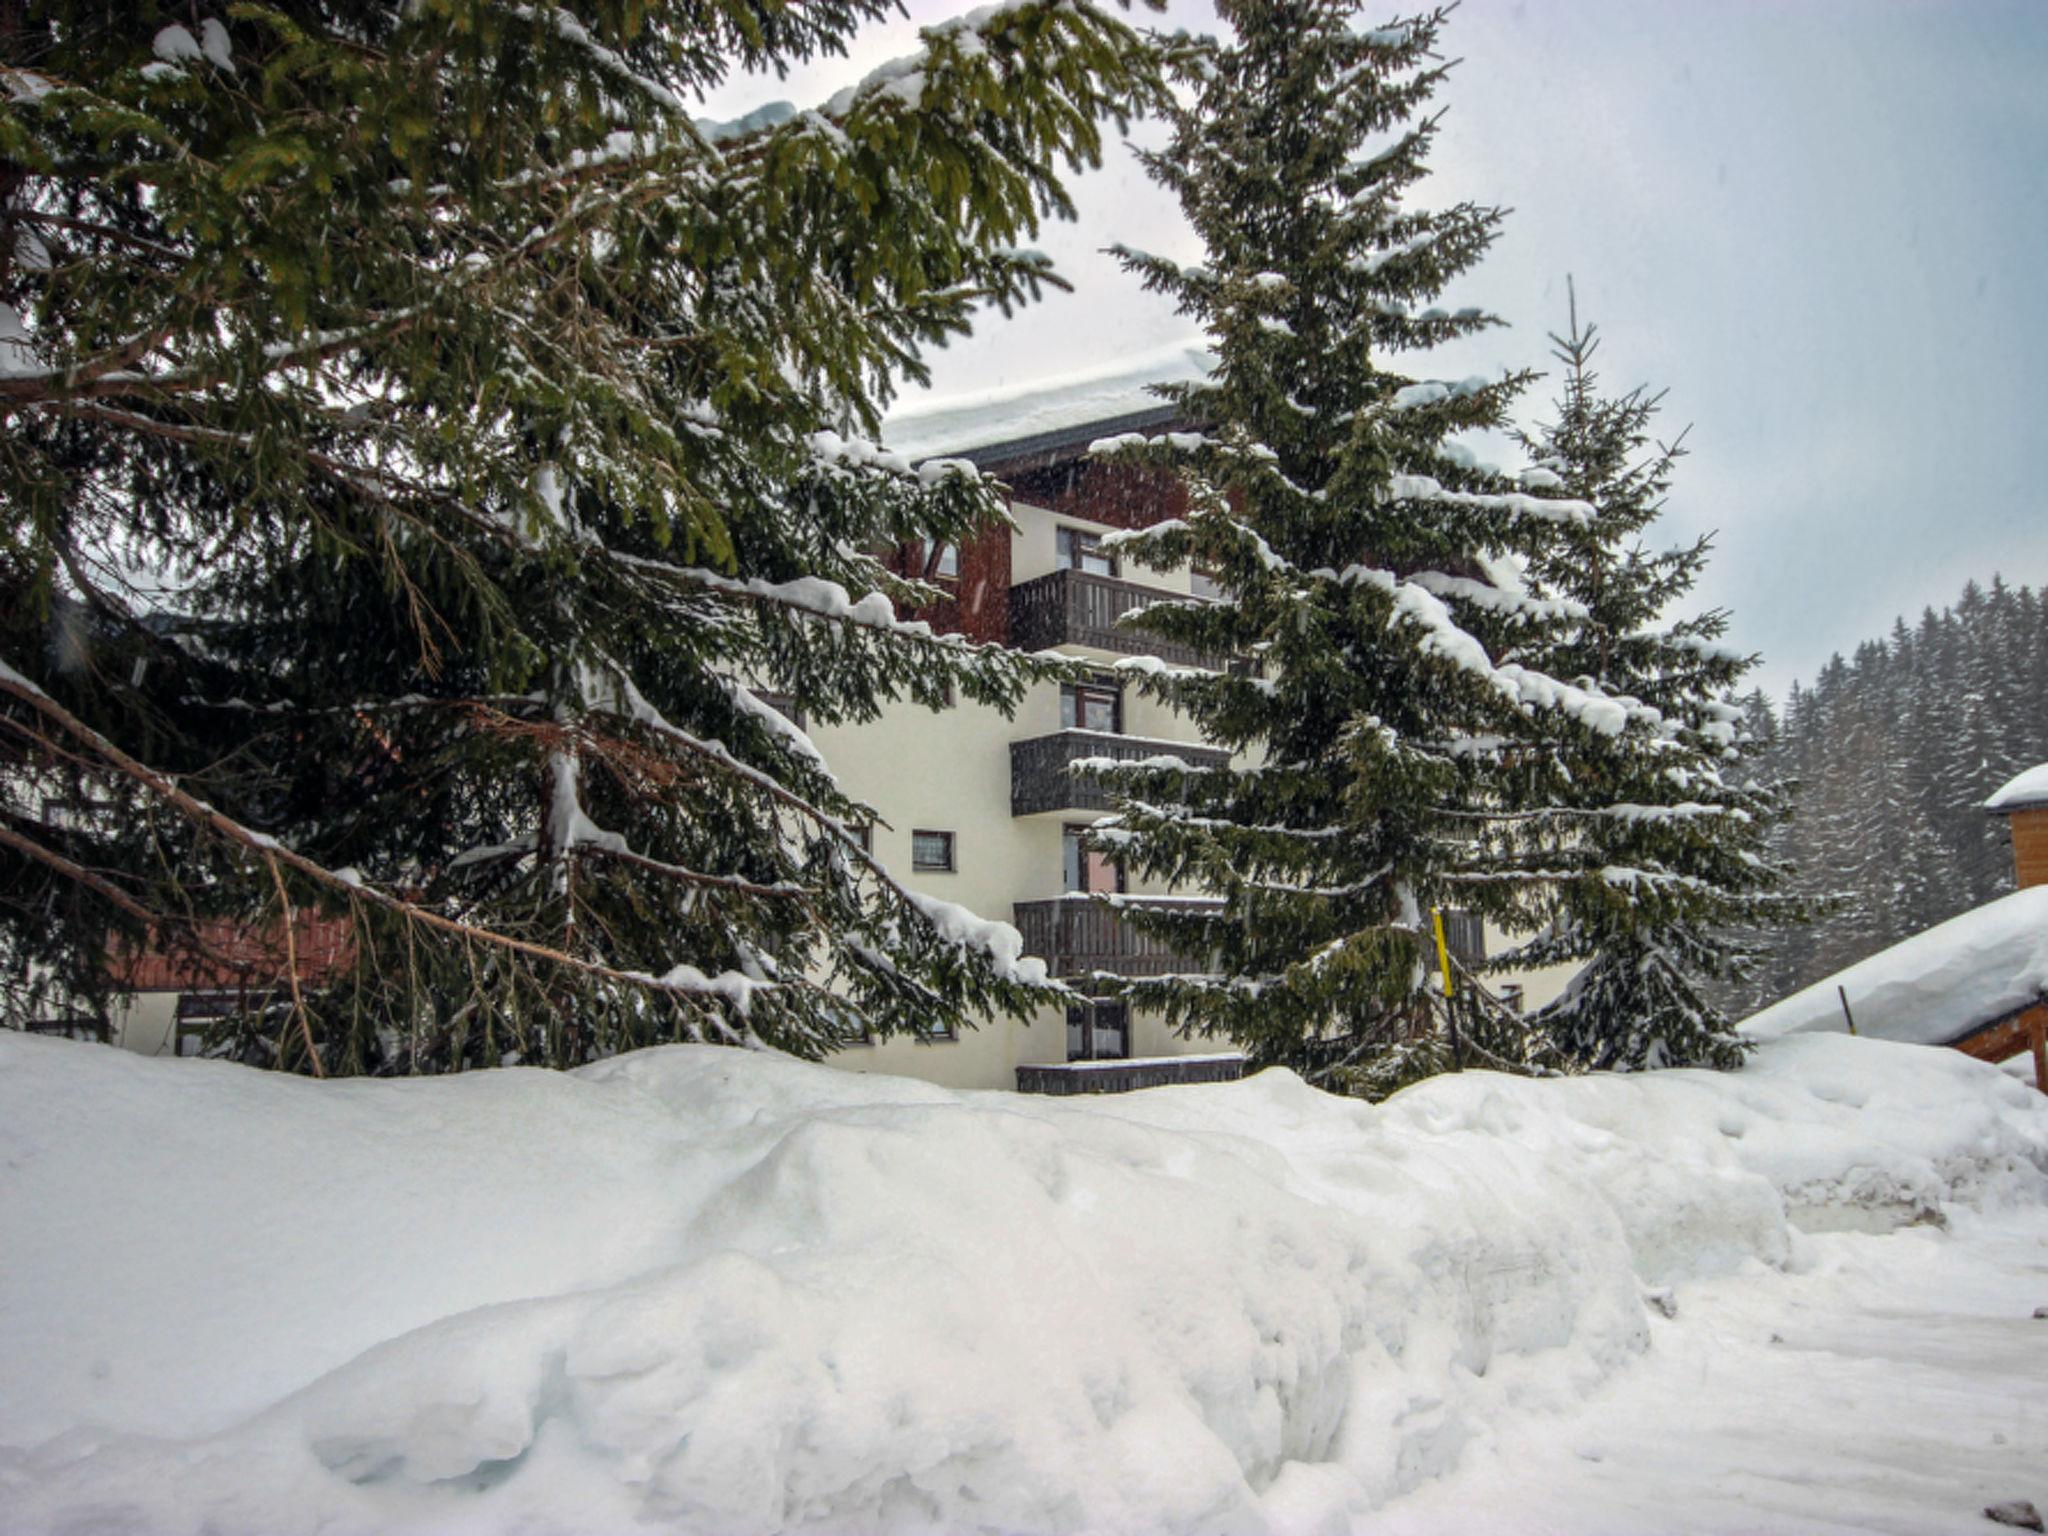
(1822, 226)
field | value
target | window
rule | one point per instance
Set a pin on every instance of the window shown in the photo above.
(1465, 935)
(1511, 996)
(846, 1026)
(1091, 707)
(1204, 583)
(1086, 870)
(931, 851)
(863, 833)
(1098, 1032)
(943, 564)
(1081, 550)
(934, 1033)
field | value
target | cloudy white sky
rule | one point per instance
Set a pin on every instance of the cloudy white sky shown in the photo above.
(1823, 226)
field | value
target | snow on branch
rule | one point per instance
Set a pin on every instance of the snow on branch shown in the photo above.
(1415, 605)
(572, 31)
(1550, 509)
(1496, 599)
(347, 883)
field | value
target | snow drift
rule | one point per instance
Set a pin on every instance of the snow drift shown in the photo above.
(712, 1291)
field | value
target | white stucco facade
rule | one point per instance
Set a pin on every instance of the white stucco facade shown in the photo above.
(950, 771)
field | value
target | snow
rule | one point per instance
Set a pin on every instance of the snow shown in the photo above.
(1435, 391)
(2022, 790)
(215, 44)
(770, 114)
(1550, 509)
(1417, 604)
(1000, 943)
(1936, 986)
(702, 1289)
(940, 424)
(176, 44)
(17, 351)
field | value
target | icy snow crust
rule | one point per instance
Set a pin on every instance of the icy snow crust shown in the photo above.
(1957, 976)
(699, 1289)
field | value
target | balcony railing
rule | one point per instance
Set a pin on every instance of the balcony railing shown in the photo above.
(1079, 608)
(1076, 936)
(1042, 776)
(1068, 1077)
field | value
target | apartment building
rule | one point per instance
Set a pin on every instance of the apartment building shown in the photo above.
(982, 809)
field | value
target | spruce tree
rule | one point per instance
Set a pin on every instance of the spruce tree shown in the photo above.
(1664, 833)
(1384, 722)
(432, 460)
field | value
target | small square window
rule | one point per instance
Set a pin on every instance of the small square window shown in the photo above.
(1098, 1032)
(1512, 997)
(944, 563)
(937, 1032)
(1085, 870)
(932, 851)
(863, 833)
(847, 1027)
(1081, 550)
(1096, 708)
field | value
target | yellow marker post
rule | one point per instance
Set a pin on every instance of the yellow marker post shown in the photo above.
(1443, 950)
(1443, 960)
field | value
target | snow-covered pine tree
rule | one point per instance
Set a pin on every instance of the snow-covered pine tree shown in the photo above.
(432, 461)
(1384, 720)
(1665, 833)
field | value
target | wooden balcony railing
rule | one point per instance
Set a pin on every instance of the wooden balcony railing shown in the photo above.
(1042, 776)
(1076, 936)
(1078, 608)
(1068, 1077)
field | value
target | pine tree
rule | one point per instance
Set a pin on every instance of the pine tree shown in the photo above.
(1664, 831)
(1352, 541)
(427, 453)
(1894, 752)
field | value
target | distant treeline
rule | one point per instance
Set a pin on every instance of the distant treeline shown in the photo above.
(1894, 752)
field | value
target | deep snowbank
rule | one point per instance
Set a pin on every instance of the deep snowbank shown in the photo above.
(1934, 987)
(731, 1293)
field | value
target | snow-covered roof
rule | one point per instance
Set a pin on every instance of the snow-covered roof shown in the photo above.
(2022, 790)
(938, 425)
(1935, 987)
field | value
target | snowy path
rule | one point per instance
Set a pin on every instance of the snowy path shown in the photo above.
(1896, 1384)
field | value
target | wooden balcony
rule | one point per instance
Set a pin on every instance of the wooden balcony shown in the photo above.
(1041, 767)
(1077, 936)
(1069, 1077)
(1077, 608)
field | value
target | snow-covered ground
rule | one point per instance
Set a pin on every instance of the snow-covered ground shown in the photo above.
(697, 1289)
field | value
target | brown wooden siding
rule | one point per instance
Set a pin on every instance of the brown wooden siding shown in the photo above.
(231, 957)
(2025, 1030)
(979, 606)
(1117, 495)
(2030, 846)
